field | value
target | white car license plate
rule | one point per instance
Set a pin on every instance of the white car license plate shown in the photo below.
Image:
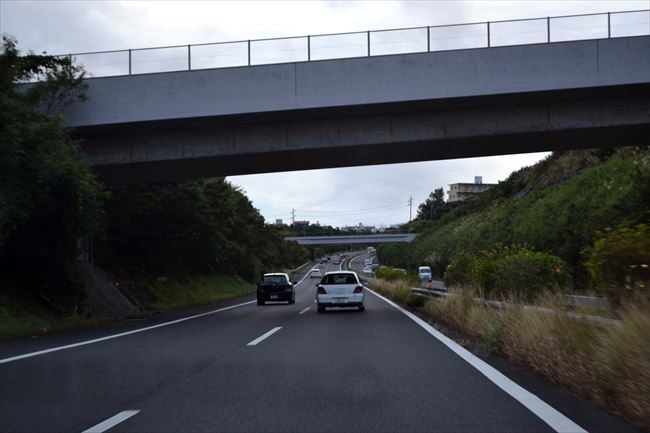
(340, 300)
(274, 296)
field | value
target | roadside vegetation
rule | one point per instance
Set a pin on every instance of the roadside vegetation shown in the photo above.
(197, 291)
(606, 364)
(163, 246)
(557, 206)
(19, 319)
(576, 222)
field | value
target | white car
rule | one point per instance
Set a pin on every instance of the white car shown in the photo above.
(315, 273)
(340, 289)
(368, 270)
(424, 272)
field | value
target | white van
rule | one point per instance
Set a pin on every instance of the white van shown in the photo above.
(424, 272)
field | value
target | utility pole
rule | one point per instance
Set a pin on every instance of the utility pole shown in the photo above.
(293, 216)
(410, 207)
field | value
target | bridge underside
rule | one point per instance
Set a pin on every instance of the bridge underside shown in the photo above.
(368, 135)
(352, 239)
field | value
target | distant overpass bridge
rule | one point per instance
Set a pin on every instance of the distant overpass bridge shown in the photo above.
(354, 239)
(368, 109)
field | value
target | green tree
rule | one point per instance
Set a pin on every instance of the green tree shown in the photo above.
(191, 228)
(49, 198)
(433, 207)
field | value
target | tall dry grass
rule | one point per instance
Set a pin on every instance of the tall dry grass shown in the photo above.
(609, 365)
(398, 290)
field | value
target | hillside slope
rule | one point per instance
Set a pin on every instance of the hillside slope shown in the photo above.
(557, 205)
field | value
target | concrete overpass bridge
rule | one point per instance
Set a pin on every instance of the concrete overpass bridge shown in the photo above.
(427, 105)
(354, 239)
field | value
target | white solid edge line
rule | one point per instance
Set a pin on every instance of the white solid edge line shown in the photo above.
(264, 336)
(304, 310)
(122, 334)
(543, 410)
(111, 422)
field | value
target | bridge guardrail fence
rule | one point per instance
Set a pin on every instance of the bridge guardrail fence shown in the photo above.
(368, 43)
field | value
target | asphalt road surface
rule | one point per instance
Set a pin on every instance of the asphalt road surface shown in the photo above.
(273, 368)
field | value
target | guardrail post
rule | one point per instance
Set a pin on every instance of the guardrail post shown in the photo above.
(308, 48)
(548, 29)
(189, 57)
(428, 39)
(129, 61)
(488, 33)
(609, 27)
(249, 52)
(368, 32)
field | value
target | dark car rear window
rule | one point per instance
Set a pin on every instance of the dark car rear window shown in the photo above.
(275, 279)
(339, 279)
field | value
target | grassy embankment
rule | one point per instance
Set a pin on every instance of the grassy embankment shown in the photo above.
(609, 365)
(29, 317)
(556, 206)
(197, 291)
(18, 319)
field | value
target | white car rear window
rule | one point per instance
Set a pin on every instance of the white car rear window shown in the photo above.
(339, 279)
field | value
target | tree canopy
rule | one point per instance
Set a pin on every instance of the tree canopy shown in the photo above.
(49, 198)
(433, 207)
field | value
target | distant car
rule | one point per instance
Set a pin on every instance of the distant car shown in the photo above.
(368, 262)
(367, 270)
(315, 273)
(424, 272)
(275, 287)
(340, 289)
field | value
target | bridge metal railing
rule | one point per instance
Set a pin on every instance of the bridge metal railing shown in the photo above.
(365, 43)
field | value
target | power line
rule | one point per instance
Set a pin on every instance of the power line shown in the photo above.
(351, 211)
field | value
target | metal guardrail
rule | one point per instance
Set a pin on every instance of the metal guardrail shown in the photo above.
(364, 43)
(597, 320)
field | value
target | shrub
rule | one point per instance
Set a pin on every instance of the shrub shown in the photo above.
(504, 271)
(391, 274)
(459, 272)
(527, 273)
(619, 262)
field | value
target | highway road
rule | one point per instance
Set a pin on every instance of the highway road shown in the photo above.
(240, 367)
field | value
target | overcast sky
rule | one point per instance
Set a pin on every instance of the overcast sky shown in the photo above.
(376, 195)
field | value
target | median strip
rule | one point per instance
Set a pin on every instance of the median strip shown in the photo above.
(111, 422)
(264, 336)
